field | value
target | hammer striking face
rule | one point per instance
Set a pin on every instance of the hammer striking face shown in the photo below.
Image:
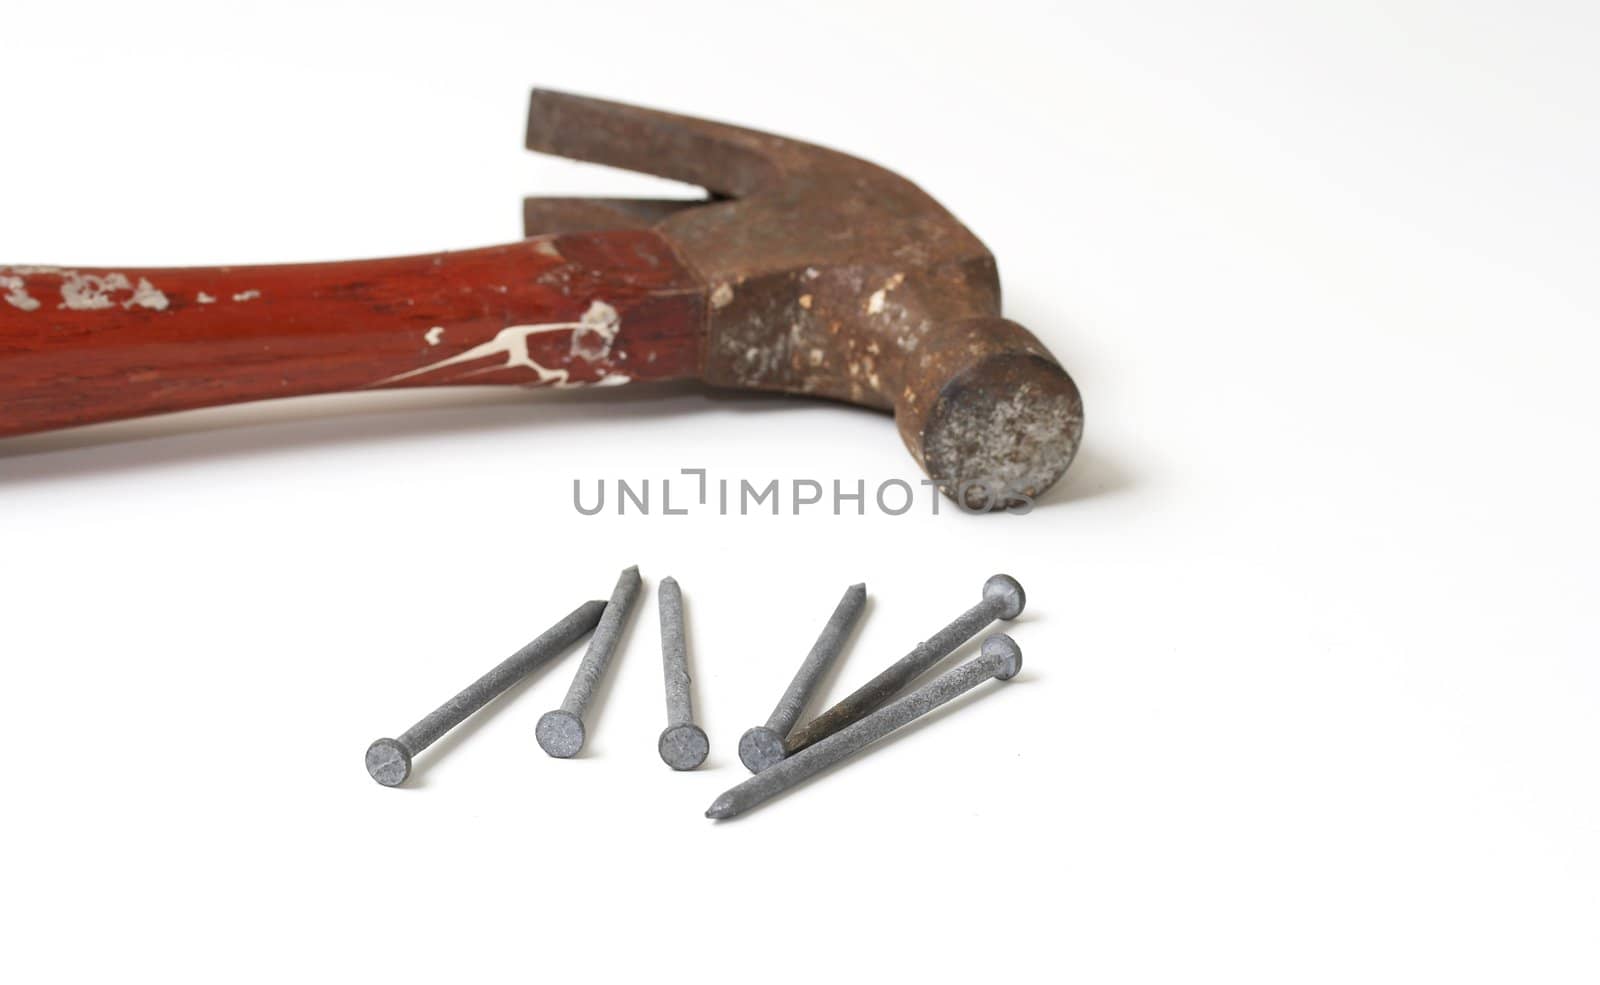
(806, 271)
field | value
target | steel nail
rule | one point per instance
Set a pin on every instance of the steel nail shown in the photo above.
(1003, 598)
(1000, 658)
(560, 732)
(389, 760)
(683, 744)
(763, 745)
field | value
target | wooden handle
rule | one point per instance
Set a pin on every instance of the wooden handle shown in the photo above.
(79, 346)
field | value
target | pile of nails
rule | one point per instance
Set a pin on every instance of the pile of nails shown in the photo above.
(779, 755)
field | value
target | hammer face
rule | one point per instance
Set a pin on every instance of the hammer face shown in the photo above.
(1006, 423)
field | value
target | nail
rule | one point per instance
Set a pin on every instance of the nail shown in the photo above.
(560, 732)
(763, 745)
(683, 745)
(1000, 658)
(1003, 598)
(389, 760)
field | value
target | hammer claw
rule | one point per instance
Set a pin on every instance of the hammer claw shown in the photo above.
(544, 215)
(723, 159)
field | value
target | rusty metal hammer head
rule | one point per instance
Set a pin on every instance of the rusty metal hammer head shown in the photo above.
(829, 276)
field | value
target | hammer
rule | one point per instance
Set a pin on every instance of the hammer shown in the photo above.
(804, 271)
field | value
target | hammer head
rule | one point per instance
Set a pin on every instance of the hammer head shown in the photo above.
(829, 276)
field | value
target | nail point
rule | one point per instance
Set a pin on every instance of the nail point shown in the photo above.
(1000, 658)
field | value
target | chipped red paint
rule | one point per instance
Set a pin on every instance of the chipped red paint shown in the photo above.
(79, 345)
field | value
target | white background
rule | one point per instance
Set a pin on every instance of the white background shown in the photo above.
(1311, 686)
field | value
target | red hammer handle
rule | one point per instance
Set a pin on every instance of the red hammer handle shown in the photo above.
(81, 345)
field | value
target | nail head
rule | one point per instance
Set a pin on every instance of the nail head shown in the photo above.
(1003, 646)
(683, 747)
(560, 733)
(760, 748)
(388, 762)
(1008, 590)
